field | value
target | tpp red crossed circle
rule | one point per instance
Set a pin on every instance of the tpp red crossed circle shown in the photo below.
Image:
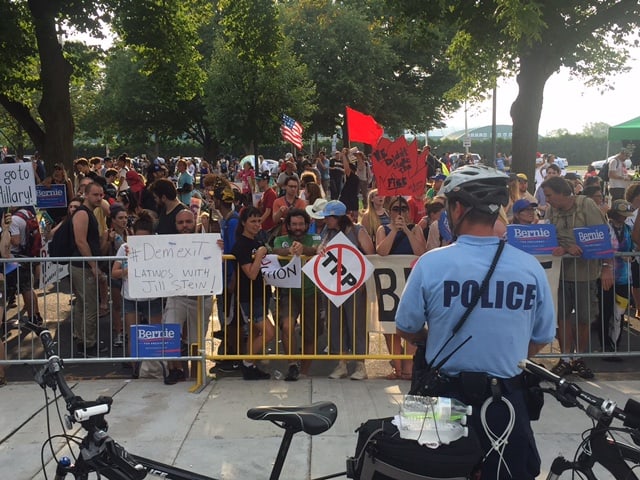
(334, 257)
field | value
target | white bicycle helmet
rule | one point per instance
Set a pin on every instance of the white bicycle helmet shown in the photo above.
(478, 186)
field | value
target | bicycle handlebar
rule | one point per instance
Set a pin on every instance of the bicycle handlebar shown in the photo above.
(51, 375)
(567, 393)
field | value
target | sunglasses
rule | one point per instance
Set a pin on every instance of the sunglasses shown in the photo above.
(399, 209)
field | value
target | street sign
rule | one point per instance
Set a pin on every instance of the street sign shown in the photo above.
(466, 142)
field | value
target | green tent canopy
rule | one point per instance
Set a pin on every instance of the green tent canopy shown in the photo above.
(629, 130)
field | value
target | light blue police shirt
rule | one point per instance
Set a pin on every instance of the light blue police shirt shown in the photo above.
(516, 308)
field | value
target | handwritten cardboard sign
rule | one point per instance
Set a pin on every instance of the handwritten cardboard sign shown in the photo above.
(174, 265)
(17, 185)
(398, 168)
(287, 276)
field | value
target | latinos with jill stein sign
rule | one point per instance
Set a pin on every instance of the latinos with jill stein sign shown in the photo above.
(155, 340)
(595, 241)
(539, 239)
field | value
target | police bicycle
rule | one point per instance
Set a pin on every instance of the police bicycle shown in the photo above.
(100, 456)
(602, 444)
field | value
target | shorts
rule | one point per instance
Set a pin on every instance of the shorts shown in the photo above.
(147, 308)
(635, 273)
(184, 311)
(19, 280)
(253, 312)
(581, 296)
(293, 306)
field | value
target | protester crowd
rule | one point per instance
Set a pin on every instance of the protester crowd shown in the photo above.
(295, 208)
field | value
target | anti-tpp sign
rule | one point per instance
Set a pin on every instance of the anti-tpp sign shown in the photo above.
(340, 271)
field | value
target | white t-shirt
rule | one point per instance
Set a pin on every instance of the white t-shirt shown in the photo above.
(18, 227)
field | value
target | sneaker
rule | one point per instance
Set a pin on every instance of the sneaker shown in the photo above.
(581, 369)
(225, 366)
(340, 371)
(562, 368)
(293, 373)
(118, 340)
(254, 373)
(360, 373)
(173, 377)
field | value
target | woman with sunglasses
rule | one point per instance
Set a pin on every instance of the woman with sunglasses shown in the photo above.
(399, 237)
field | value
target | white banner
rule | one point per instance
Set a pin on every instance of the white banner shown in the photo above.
(288, 276)
(386, 285)
(17, 185)
(340, 271)
(174, 265)
(51, 272)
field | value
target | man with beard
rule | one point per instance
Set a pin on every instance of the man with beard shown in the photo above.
(168, 205)
(298, 302)
(183, 310)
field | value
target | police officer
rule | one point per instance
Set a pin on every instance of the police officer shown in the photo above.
(513, 319)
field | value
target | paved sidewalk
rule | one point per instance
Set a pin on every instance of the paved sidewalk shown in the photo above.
(210, 433)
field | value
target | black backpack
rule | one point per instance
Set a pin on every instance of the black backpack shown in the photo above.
(604, 172)
(63, 243)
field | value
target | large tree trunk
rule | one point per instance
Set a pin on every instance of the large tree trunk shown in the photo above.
(526, 111)
(55, 105)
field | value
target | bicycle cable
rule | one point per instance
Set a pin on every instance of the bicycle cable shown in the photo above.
(498, 442)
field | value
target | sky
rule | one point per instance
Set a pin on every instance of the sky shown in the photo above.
(568, 103)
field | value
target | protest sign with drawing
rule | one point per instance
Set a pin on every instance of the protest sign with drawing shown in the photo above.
(340, 271)
(398, 168)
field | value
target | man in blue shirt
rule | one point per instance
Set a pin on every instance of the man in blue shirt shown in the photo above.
(513, 319)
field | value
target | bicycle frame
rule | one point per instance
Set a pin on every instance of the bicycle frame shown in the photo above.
(610, 454)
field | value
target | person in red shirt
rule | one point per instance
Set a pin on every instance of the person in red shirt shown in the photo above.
(266, 202)
(417, 210)
(289, 200)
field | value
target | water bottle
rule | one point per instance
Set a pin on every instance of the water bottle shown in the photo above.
(443, 409)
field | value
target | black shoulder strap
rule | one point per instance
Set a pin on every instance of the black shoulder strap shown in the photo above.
(474, 301)
(481, 290)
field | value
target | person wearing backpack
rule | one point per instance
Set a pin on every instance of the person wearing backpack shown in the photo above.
(26, 242)
(85, 274)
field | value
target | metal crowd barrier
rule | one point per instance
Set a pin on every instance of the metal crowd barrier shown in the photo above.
(351, 332)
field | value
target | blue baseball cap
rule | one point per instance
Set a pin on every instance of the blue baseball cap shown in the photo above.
(523, 204)
(439, 176)
(333, 208)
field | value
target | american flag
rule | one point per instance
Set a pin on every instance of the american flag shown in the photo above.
(291, 131)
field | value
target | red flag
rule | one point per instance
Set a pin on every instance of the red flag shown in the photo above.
(363, 128)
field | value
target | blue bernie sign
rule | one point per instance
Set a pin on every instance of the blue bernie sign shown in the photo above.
(155, 340)
(54, 196)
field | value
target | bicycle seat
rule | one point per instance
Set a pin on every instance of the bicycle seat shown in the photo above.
(312, 419)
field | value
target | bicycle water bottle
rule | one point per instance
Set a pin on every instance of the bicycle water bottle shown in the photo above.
(61, 470)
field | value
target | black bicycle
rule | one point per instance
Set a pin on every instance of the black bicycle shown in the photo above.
(101, 455)
(601, 444)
